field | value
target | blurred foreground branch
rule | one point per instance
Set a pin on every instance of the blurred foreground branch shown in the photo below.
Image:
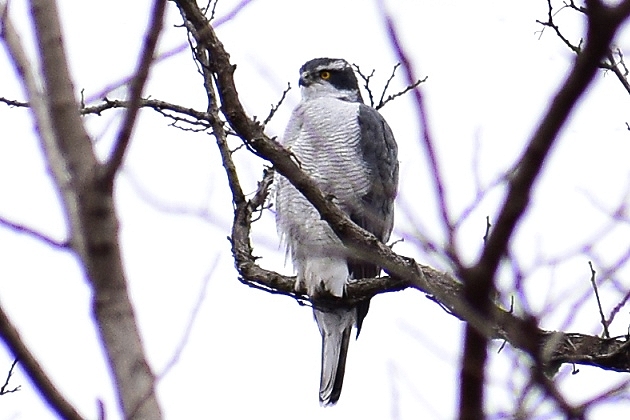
(86, 190)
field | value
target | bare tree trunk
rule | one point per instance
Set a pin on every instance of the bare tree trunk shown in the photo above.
(86, 187)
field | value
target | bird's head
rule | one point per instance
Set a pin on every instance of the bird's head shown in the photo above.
(329, 77)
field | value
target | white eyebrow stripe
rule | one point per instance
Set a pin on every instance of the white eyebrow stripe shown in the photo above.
(339, 65)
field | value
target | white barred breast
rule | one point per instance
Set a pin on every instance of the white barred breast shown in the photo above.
(324, 136)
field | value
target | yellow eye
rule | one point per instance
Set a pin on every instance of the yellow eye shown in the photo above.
(324, 75)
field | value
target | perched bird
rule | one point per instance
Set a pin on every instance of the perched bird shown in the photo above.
(350, 152)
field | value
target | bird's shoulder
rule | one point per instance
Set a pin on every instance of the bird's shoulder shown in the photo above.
(377, 138)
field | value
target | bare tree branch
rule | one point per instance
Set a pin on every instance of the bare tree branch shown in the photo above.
(426, 137)
(448, 292)
(389, 80)
(16, 227)
(383, 101)
(617, 66)
(11, 102)
(275, 107)
(4, 389)
(39, 108)
(9, 333)
(551, 24)
(135, 91)
(94, 226)
(603, 23)
(366, 82)
(599, 302)
(180, 115)
(34, 370)
(614, 65)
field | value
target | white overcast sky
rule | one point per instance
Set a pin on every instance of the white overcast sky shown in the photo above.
(255, 355)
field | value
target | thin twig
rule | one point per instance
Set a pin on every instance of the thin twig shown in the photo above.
(391, 77)
(618, 389)
(409, 87)
(366, 82)
(599, 302)
(147, 103)
(426, 136)
(577, 49)
(488, 226)
(618, 307)
(622, 63)
(16, 227)
(275, 107)
(212, 3)
(383, 101)
(5, 387)
(14, 103)
(613, 65)
(608, 64)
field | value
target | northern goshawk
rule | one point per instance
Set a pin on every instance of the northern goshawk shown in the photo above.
(350, 152)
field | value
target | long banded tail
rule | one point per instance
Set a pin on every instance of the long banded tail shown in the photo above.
(336, 328)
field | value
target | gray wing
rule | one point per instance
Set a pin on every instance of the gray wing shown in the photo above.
(376, 210)
(380, 154)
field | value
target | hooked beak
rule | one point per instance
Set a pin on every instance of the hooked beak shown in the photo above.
(305, 80)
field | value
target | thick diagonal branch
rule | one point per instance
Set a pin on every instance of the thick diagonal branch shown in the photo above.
(46, 388)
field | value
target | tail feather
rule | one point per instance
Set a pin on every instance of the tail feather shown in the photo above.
(335, 327)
